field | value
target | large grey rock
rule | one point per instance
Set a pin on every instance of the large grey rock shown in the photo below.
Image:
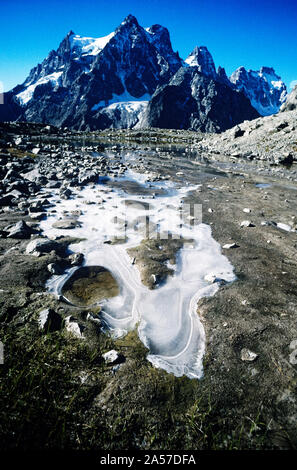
(20, 230)
(66, 224)
(41, 245)
(73, 327)
(49, 320)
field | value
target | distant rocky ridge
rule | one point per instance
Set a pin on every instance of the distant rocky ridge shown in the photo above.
(265, 89)
(195, 101)
(271, 139)
(113, 81)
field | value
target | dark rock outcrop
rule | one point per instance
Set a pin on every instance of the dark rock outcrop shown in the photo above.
(193, 101)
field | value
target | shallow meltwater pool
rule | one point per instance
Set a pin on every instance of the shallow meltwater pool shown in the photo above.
(111, 221)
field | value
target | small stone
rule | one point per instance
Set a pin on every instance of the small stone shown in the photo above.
(248, 356)
(154, 278)
(55, 269)
(76, 259)
(93, 319)
(246, 223)
(116, 368)
(111, 357)
(247, 210)
(228, 246)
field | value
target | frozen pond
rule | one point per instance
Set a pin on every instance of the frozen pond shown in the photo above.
(166, 317)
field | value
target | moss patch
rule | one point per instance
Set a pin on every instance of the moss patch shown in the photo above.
(90, 284)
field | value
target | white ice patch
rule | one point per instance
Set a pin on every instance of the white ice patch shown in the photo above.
(123, 98)
(25, 96)
(89, 46)
(168, 321)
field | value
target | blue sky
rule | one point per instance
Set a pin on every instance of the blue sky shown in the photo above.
(237, 32)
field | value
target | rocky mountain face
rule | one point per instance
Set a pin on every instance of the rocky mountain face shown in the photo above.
(116, 81)
(265, 89)
(201, 58)
(192, 100)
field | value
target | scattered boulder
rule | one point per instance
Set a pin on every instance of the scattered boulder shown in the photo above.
(6, 200)
(246, 223)
(65, 224)
(20, 230)
(76, 259)
(113, 357)
(286, 159)
(93, 319)
(238, 132)
(248, 356)
(49, 320)
(73, 327)
(41, 245)
(55, 268)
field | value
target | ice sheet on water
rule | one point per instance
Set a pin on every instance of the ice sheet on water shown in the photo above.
(168, 322)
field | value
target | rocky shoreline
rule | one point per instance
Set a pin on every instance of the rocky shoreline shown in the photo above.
(246, 398)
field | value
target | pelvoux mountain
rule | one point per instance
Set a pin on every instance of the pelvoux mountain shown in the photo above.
(133, 78)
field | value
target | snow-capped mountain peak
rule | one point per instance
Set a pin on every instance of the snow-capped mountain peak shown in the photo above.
(77, 83)
(99, 82)
(200, 57)
(265, 89)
